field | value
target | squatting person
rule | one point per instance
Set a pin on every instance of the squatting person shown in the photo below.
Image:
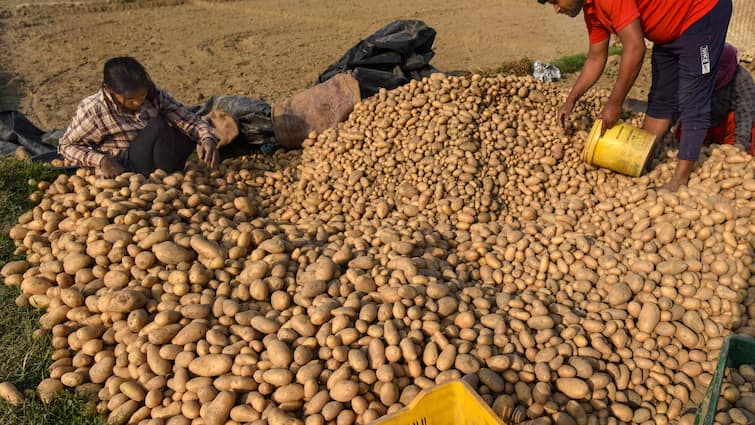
(132, 125)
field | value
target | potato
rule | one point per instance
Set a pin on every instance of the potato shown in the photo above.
(123, 413)
(14, 267)
(289, 393)
(344, 391)
(73, 379)
(491, 379)
(244, 205)
(235, 383)
(123, 301)
(157, 364)
(195, 311)
(133, 391)
(673, 267)
(622, 412)
(244, 413)
(649, 317)
(54, 316)
(10, 394)
(619, 294)
(210, 253)
(206, 248)
(747, 403)
(218, 411)
(170, 253)
(102, 369)
(160, 335)
(211, 365)
(279, 417)
(35, 285)
(278, 377)
(254, 271)
(467, 364)
(192, 332)
(166, 412)
(573, 388)
(75, 261)
(116, 279)
(266, 326)
(280, 354)
(540, 322)
(48, 388)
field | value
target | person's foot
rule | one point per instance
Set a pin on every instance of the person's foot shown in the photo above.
(673, 185)
(681, 175)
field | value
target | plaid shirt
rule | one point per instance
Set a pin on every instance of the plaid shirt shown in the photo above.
(100, 127)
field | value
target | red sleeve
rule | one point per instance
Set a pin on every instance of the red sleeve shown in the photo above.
(620, 12)
(604, 17)
(595, 29)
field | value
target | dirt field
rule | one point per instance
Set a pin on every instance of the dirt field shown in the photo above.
(264, 49)
(258, 48)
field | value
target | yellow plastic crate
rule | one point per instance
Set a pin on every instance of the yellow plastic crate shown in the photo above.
(451, 403)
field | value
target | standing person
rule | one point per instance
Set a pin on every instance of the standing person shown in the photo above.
(132, 125)
(688, 37)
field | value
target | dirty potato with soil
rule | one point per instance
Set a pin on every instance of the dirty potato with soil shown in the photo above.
(447, 230)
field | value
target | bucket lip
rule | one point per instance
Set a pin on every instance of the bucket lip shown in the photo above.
(647, 156)
(592, 139)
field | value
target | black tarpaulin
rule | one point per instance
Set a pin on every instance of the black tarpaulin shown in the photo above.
(397, 53)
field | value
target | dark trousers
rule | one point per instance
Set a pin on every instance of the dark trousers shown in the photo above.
(684, 72)
(158, 146)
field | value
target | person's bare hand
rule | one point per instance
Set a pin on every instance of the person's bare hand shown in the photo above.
(208, 153)
(109, 167)
(610, 115)
(564, 112)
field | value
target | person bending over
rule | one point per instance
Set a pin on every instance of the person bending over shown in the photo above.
(688, 37)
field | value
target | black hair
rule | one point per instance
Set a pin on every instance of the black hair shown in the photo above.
(124, 75)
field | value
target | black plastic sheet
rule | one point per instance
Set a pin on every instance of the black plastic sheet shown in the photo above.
(252, 115)
(16, 129)
(391, 57)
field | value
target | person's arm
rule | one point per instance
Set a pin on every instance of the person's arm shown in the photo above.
(591, 70)
(192, 126)
(78, 139)
(588, 76)
(633, 44)
(183, 119)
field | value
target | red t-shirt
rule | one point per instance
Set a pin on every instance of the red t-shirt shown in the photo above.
(662, 20)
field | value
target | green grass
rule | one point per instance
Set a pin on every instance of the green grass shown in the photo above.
(519, 67)
(66, 409)
(573, 63)
(14, 196)
(24, 357)
(566, 64)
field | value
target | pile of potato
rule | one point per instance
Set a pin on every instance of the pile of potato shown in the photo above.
(447, 230)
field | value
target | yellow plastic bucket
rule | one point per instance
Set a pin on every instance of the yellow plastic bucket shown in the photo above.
(451, 403)
(623, 148)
